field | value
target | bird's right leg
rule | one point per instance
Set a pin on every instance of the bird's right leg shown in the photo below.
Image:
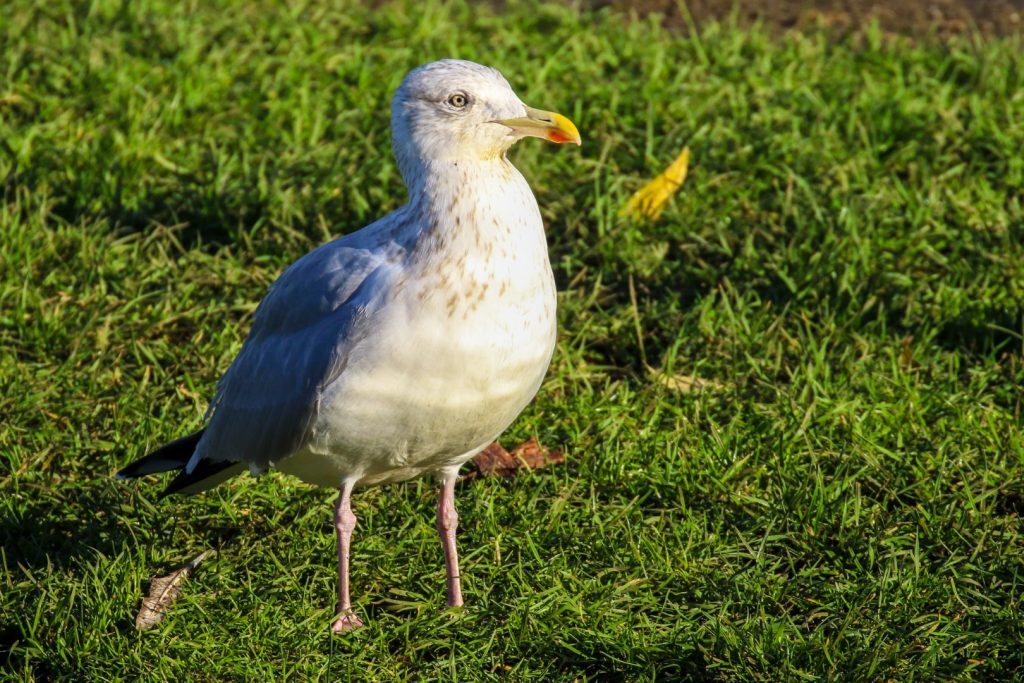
(344, 523)
(447, 523)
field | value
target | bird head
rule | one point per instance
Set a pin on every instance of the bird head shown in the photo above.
(454, 110)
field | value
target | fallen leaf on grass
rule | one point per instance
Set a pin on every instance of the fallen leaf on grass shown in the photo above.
(11, 99)
(163, 591)
(907, 353)
(534, 455)
(685, 384)
(650, 200)
(496, 461)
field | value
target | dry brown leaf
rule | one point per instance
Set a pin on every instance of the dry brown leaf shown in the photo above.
(532, 455)
(496, 461)
(163, 591)
(685, 384)
(650, 200)
(11, 99)
(907, 352)
(493, 460)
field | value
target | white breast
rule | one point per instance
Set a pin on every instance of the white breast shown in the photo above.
(457, 349)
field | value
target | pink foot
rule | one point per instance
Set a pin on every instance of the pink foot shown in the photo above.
(346, 621)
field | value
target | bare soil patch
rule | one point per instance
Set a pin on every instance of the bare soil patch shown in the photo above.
(914, 18)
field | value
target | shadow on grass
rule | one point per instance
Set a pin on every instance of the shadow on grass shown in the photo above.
(60, 527)
(988, 331)
(203, 214)
(668, 661)
(88, 519)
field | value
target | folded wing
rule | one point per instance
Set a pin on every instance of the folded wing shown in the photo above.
(302, 334)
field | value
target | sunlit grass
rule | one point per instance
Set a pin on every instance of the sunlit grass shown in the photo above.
(844, 268)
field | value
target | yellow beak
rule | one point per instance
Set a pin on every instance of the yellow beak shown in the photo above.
(544, 124)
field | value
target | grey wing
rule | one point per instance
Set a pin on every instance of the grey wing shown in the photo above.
(302, 334)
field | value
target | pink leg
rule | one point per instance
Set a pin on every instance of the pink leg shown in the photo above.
(447, 523)
(344, 523)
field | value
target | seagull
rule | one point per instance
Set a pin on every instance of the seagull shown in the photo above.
(405, 348)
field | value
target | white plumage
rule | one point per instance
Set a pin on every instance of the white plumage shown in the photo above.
(406, 347)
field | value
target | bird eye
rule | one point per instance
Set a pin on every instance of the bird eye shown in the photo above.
(458, 100)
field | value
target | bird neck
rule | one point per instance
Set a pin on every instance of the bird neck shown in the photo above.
(429, 179)
(470, 207)
(478, 194)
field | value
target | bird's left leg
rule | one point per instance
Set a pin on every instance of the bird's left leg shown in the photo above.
(344, 524)
(447, 523)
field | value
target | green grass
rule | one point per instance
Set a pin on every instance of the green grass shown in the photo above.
(845, 266)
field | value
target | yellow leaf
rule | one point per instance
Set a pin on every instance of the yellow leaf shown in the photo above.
(651, 199)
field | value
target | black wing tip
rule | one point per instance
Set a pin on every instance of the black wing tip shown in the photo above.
(204, 469)
(169, 457)
(175, 456)
(129, 472)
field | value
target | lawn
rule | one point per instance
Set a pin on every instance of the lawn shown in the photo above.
(790, 408)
